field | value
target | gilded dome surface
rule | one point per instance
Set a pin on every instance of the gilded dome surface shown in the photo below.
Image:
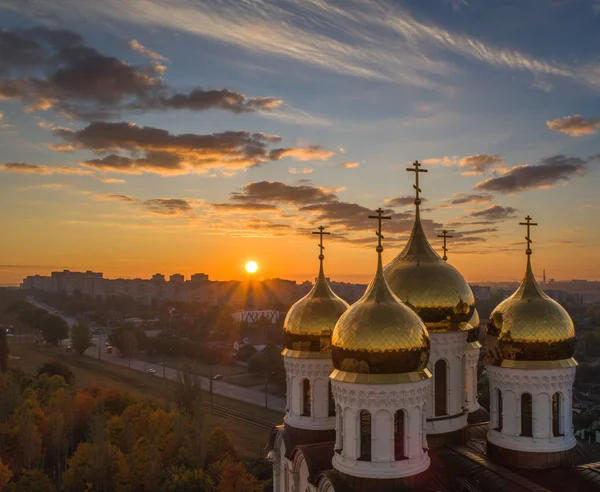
(436, 290)
(310, 321)
(530, 326)
(379, 334)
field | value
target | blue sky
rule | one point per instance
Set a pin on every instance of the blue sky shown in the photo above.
(498, 99)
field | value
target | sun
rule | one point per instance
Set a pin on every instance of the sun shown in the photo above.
(251, 267)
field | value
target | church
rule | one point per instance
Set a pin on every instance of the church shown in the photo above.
(382, 395)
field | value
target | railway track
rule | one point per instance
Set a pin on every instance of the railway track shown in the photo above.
(216, 409)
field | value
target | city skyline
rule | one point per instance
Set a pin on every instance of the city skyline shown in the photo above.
(135, 141)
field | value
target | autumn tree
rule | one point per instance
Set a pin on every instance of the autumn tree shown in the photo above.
(31, 481)
(235, 478)
(81, 337)
(5, 475)
(188, 390)
(218, 447)
(58, 368)
(54, 328)
(30, 439)
(182, 479)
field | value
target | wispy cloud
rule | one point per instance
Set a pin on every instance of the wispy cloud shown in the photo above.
(350, 164)
(26, 168)
(575, 125)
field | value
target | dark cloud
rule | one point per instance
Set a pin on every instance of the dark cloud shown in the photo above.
(480, 163)
(245, 207)
(465, 198)
(575, 125)
(157, 150)
(25, 168)
(47, 68)
(403, 201)
(495, 213)
(548, 172)
(117, 197)
(157, 206)
(274, 191)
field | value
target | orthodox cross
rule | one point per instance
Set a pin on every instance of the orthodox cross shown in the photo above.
(416, 169)
(379, 217)
(528, 223)
(444, 235)
(321, 232)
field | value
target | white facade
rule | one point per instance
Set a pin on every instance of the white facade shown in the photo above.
(382, 401)
(313, 374)
(471, 359)
(448, 412)
(551, 431)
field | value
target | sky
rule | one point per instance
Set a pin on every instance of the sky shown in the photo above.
(183, 136)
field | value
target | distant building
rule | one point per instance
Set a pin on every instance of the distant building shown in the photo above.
(254, 316)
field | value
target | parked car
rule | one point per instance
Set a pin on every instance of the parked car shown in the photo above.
(151, 371)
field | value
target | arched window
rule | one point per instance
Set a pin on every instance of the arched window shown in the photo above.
(556, 414)
(526, 415)
(306, 396)
(399, 436)
(340, 428)
(331, 401)
(440, 388)
(499, 408)
(365, 435)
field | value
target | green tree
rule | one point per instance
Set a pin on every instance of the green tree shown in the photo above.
(54, 328)
(81, 337)
(182, 479)
(3, 350)
(219, 447)
(31, 481)
(59, 369)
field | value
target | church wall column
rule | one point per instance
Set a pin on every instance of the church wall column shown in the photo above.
(542, 415)
(381, 429)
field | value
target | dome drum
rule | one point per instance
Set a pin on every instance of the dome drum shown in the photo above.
(388, 362)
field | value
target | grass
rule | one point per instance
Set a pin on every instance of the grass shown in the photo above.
(248, 440)
(201, 368)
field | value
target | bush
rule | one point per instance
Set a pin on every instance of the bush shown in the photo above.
(57, 368)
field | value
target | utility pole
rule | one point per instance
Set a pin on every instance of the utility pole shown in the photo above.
(266, 391)
(210, 387)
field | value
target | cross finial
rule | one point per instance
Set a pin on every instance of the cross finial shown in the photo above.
(379, 217)
(321, 232)
(445, 236)
(416, 169)
(528, 223)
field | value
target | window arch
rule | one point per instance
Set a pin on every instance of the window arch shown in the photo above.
(331, 401)
(365, 435)
(526, 415)
(556, 414)
(306, 397)
(441, 388)
(399, 435)
(499, 409)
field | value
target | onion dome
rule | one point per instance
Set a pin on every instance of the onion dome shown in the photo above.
(309, 322)
(436, 290)
(379, 334)
(529, 325)
(474, 331)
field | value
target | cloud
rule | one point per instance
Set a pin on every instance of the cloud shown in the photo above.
(274, 191)
(150, 149)
(549, 172)
(47, 69)
(495, 213)
(479, 163)
(444, 161)
(463, 198)
(111, 180)
(146, 52)
(245, 207)
(155, 206)
(575, 125)
(25, 168)
(403, 201)
(350, 164)
(306, 170)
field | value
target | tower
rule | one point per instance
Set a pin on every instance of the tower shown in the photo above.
(440, 295)
(531, 371)
(380, 383)
(307, 354)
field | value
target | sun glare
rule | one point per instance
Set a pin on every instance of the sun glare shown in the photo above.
(251, 267)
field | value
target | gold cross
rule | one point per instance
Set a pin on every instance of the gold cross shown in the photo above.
(444, 235)
(528, 223)
(379, 217)
(321, 232)
(416, 169)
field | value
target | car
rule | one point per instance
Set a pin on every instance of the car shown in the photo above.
(151, 371)
(218, 377)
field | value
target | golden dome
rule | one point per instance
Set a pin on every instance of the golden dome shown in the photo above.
(436, 290)
(310, 321)
(530, 326)
(379, 334)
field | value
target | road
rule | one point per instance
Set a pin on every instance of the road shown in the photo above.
(220, 387)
